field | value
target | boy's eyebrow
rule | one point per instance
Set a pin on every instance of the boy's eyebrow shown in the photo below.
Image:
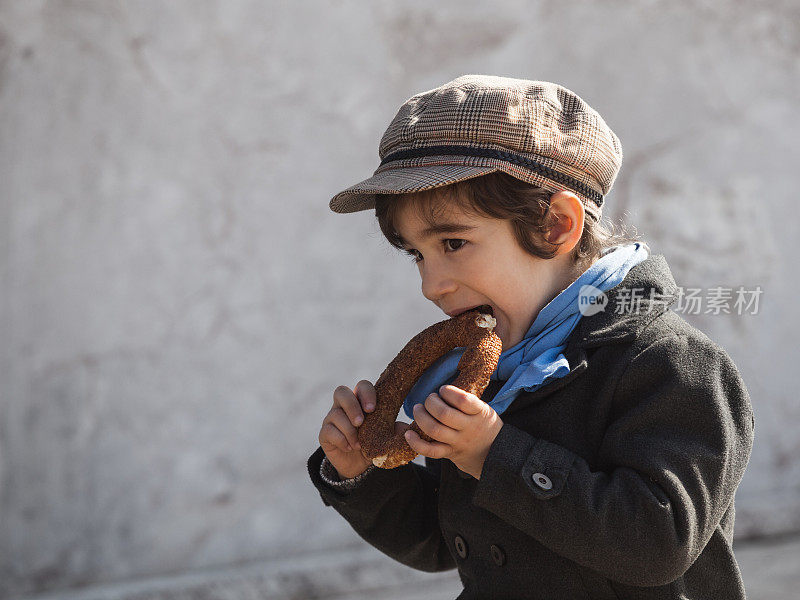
(441, 228)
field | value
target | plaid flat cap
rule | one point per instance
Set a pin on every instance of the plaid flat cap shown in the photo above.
(536, 131)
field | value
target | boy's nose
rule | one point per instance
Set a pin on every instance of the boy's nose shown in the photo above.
(436, 283)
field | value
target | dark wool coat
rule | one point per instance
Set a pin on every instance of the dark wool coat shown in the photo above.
(615, 481)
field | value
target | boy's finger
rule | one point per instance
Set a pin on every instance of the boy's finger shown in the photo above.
(467, 403)
(366, 394)
(333, 438)
(445, 413)
(429, 449)
(432, 426)
(344, 398)
(342, 423)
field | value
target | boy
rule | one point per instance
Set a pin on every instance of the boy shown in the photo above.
(603, 458)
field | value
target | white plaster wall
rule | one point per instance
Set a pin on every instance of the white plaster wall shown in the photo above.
(177, 302)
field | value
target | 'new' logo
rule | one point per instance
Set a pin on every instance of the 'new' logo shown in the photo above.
(591, 300)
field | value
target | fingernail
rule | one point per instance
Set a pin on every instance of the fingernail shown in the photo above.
(358, 420)
(370, 406)
(408, 435)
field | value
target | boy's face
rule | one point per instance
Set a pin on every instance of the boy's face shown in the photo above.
(482, 265)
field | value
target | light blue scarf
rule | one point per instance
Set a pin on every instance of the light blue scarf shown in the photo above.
(538, 357)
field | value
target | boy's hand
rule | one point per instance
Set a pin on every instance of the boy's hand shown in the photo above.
(338, 438)
(462, 425)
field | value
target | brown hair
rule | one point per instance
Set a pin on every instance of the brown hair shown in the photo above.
(502, 196)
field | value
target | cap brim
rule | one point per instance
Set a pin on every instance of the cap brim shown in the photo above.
(403, 180)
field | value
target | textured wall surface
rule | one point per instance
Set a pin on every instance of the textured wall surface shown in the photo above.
(177, 303)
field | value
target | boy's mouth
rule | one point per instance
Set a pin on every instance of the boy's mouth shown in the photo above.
(483, 308)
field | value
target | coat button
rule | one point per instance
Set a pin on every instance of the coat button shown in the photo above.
(461, 547)
(543, 481)
(498, 556)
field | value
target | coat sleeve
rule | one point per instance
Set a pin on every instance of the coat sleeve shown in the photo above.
(677, 449)
(394, 510)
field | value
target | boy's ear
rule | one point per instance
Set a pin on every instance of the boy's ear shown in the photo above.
(565, 218)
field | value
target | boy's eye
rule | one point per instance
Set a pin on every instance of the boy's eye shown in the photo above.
(448, 247)
(459, 245)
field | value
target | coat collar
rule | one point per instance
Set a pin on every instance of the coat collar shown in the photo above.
(648, 286)
(655, 291)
